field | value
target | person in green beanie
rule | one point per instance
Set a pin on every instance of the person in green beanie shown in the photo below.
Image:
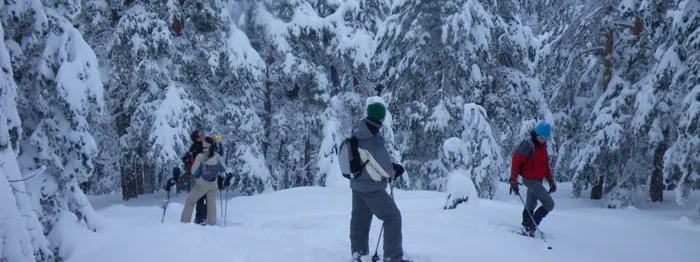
(369, 196)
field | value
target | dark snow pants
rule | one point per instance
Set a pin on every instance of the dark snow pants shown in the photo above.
(535, 192)
(379, 203)
(200, 214)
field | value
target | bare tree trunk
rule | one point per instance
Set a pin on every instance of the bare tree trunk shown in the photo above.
(607, 60)
(128, 179)
(656, 186)
(139, 180)
(609, 46)
(307, 162)
(597, 190)
(268, 105)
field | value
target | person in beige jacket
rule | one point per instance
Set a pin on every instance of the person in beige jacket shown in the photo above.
(207, 167)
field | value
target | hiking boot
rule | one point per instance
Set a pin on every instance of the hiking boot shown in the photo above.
(529, 230)
(356, 257)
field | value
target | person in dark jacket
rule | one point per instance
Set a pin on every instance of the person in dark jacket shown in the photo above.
(531, 161)
(196, 148)
(369, 196)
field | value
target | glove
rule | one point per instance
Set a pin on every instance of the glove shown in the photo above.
(186, 158)
(552, 185)
(169, 184)
(220, 182)
(514, 187)
(227, 180)
(398, 170)
(176, 173)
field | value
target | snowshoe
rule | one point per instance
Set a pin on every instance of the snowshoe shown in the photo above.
(529, 230)
(525, 232)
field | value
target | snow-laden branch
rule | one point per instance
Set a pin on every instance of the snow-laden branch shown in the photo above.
(30, 175)
(623, 24)
(598, 50)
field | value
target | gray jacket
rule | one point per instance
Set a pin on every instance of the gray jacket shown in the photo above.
(375, 145)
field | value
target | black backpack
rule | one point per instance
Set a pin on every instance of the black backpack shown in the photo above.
(350, 162)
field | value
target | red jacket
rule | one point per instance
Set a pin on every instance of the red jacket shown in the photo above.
(535, 167)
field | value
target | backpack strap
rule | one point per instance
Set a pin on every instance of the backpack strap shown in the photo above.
(356, 165)
(530, 150)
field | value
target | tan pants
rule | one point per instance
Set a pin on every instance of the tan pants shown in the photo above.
(201, 188)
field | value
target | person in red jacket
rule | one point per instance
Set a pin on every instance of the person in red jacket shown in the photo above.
(531, 161)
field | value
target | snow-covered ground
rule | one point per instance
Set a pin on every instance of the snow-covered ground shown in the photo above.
(312, 224)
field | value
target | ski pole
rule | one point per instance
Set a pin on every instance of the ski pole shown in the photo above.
(165, 206)
(375, 257)
(168, 185)
(226, 207)
(221, 203)
(533, 220)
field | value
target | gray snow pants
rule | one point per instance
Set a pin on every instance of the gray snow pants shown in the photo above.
(383, 206)
(536, 191)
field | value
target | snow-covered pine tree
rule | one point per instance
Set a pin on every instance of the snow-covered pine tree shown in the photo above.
(510, 89)
(436, 56)
(475, 152)
(485, 163)
(204, 42)
(444, 121)
(95, 22)
(424, 79)
(138, 82)
(599, 163)
(659, 98)
(457, 183)
(269, 24)
(682, 159)
(17, 242)
(648, 69)
(306, 63)
(169, 135)
(239, 78)
(569, 58)
(70, 101)
(20, 229)
(624, 52)
(59, 97)
(356, 24)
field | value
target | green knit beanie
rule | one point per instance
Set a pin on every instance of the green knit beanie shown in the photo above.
(376, 111)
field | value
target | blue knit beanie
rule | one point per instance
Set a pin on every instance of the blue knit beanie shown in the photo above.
(544, 129)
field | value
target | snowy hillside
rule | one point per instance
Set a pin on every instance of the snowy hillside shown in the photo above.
(312, 223)
(102, 96)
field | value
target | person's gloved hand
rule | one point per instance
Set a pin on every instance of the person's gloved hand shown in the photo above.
(186, 158)
(514, 187)
(552, 185)
(398, 170)
(220, 182)
(227, 180)
(169, 184)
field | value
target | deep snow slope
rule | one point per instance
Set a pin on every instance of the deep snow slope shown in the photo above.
(312, 224)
